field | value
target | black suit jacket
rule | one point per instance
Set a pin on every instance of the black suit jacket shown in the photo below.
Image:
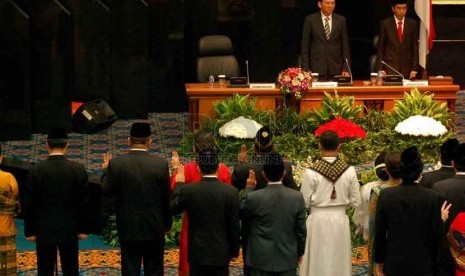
(141, 183)
(55, 193)
(430, 178)
(321, 55)
(241, 173)
(402, 56)
(213, 215)
(409, 233)
(452, 190)
(276, 215)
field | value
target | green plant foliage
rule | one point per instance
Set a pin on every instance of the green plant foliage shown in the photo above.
(333, 107)
(236, 106)
(374, 121)
(295, 147)
(417, 103)
(289, 121)
(110, 233)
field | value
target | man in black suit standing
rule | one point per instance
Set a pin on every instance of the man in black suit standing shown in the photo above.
(325, 42)
(54, 209)
(213, 215)
(276, 215)
(453, 189)
(446, 171)
(398, 42)
(263, 147)
(141, 183)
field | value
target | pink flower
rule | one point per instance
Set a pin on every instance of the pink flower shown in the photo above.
(294, 81)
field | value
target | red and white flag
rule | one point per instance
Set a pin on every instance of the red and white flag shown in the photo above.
(424, 10)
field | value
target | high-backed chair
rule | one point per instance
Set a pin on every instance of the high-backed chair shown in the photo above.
(216, 58)
(374, 58)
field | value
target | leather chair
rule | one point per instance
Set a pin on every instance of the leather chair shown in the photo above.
(216, 58)
(374, 58)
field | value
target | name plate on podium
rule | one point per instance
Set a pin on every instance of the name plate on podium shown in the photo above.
(415, 83)
(324, 84)
(262, 85)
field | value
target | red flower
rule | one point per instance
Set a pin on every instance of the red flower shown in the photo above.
(344, 129)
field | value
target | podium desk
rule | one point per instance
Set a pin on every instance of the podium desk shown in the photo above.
(201, 97)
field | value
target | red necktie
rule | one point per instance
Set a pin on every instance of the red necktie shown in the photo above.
(399, 30)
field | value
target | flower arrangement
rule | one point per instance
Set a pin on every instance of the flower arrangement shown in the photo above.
(421, 126)
(240, 128)
(294, 81)
(345, 129)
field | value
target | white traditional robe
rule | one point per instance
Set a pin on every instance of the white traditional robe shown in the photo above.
(328, 246)
(361, 215)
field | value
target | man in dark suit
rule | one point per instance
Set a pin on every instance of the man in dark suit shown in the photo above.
(213, 215)
(141, 184)
(325, 42)
(398, 42)
(263, 147)
(409, 232)
(54, 209)
(276, 215)
(446, 170)
(453, 189)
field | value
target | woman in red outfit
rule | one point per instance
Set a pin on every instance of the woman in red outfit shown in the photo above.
(204, 141)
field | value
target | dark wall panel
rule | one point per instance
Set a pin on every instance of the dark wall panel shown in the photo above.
(51, 61)
(92, 50)
(129, 56)
(15, 116)
(446, 57)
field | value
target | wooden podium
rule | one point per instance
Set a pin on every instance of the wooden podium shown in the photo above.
(201, 97)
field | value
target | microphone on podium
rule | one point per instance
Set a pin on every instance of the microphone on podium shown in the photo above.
(350, 71)
(247, 68)
(393, 79)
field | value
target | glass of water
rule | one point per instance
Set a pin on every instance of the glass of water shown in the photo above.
(221, 79)
(315, 76)
(374, 78)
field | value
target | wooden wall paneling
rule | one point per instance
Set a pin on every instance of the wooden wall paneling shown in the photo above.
(15, 115)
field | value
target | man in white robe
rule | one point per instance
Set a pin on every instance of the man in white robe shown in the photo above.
(329, 187)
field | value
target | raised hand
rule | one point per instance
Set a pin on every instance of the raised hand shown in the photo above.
(106, 160)
(445, 210)
(175, 163)
(242, 155)
(180, 176)
(251, 181)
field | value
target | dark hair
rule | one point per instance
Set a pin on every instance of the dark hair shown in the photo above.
(411, 165)
(207, 162)
(398, 2)
(204, 142)
(392, 162)
(329, 140)
(0, 149)
(273, 167)
(138, 141)
(448, 149)
(381, 171)
(57, 143)
(459, 158)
